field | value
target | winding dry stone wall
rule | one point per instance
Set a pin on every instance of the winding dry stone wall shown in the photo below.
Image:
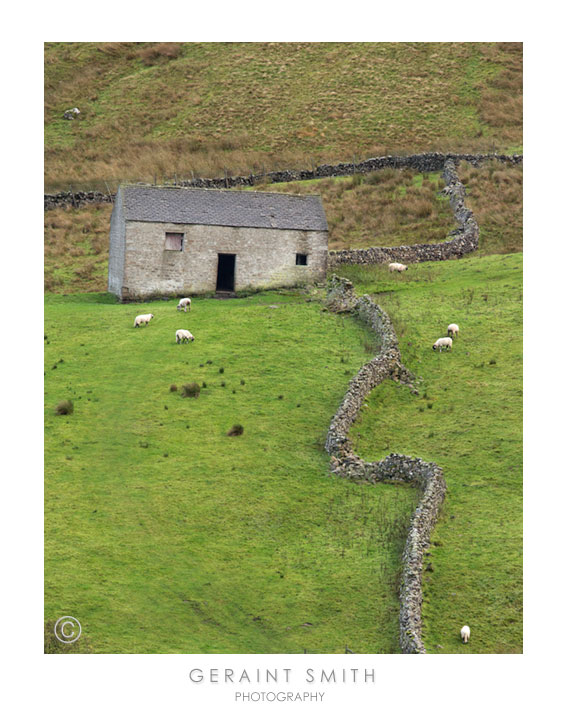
(465, 238)
(427, 477)
(423, 163)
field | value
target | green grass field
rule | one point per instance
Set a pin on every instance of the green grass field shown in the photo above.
(165, 535)
(468, 419)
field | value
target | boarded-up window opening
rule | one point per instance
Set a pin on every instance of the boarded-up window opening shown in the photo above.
(173, 241)
(301, 259)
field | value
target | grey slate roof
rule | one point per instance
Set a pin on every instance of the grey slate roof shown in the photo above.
(238, 208)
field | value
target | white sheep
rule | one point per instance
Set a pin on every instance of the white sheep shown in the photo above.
(184, 303)
(397, 266)
(183, 336)
(139, 319)
(453, 329)
(465, 634)
(443, 343)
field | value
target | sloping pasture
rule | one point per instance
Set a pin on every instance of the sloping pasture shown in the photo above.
(163, 534)
(468, 419)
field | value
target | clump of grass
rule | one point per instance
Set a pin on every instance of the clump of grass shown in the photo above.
(173, 388)
(159, 52)
(64, 408)
(190, 390)
(223, 384)
(143, 444)
(242, 382)
(204, 384)
(235, 430)
(221, 370)
(492, 362)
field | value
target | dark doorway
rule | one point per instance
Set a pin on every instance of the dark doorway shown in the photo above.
(226, 272)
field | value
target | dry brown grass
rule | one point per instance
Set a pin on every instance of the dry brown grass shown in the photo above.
(494, 194)
(160, 109)
(159, 52)
(76, 248)
(384, 208)
(501, 101)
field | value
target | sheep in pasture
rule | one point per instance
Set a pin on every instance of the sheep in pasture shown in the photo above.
(184, 303)
(397, 266)
(139, 319)
(183, 336)
(443, 343)
(453, 329)
(465, 634)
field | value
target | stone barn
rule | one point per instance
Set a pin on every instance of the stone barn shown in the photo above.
(182, 241)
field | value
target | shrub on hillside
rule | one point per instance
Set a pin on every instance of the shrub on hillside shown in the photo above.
(190, 390)
(173, 388)
(64, 408)
(235, 430)
(158, 52)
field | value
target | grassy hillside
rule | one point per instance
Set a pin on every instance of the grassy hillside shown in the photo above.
(156, 109)
(163, 534)
(467, 419)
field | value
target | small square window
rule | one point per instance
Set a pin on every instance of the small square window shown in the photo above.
(301, 259)
(173, 241)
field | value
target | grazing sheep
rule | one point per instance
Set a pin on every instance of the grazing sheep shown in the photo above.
(184, 303)
(397, 266)
(183, 336)
(139, 319)
(465, 634)
(443, 343)
(453, 329)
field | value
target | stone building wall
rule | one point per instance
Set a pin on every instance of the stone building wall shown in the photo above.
(116, 255)
(426, 476)
(265, 257)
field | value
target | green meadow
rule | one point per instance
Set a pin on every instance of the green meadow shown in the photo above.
(165, 535)
(468, 419)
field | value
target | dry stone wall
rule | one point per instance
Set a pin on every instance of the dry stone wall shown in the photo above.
(428, 477)
(423, 162)
(465, 238)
